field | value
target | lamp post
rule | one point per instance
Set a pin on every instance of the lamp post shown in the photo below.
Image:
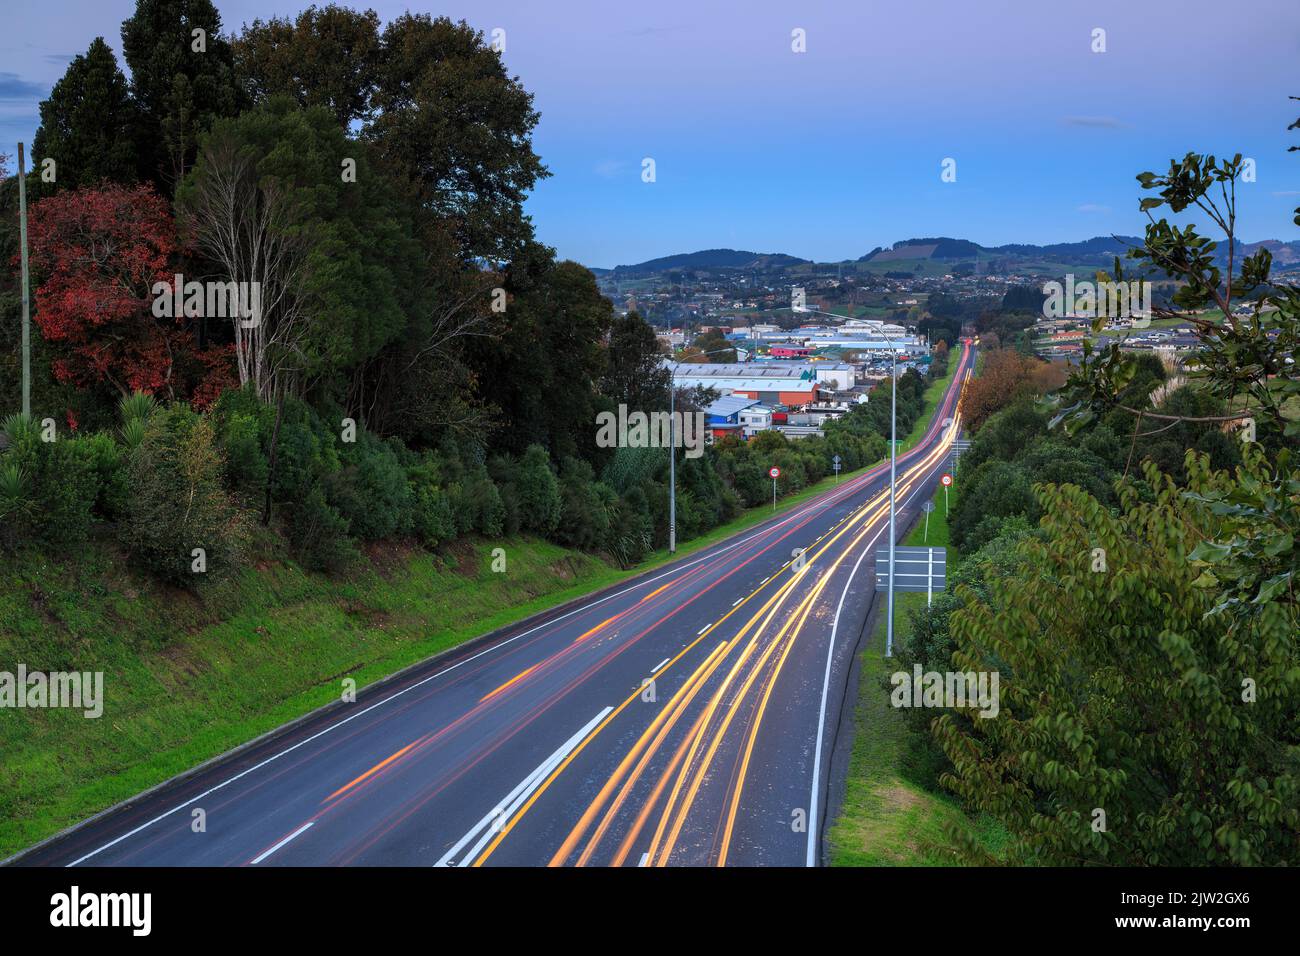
(672, 451)
(893, 485)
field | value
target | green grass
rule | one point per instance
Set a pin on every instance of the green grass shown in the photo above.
(187, 677)
(936, 536)
(887, 818)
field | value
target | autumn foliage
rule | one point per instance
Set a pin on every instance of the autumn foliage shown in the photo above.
(96, 253)
(1007, 376)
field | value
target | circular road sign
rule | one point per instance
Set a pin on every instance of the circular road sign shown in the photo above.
(774, 473)
(947, 480)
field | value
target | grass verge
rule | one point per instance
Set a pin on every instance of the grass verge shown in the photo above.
(887, 818)
(189, 676)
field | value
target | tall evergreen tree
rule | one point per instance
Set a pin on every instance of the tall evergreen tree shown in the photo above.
(181, 79)
(87, 124)
(636, 375)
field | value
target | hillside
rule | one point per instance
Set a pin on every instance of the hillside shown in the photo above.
(712, 259)
(1099, 251)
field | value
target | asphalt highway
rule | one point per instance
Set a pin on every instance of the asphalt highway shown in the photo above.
(684, 718)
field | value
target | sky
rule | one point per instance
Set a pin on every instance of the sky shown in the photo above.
(828, 153)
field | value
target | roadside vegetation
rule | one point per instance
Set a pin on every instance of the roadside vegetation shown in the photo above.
(1128, 566)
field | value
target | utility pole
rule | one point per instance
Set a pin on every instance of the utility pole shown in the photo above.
(672, 447)
(893, 460)
(672, 459)
(27, 308)
(893, 480)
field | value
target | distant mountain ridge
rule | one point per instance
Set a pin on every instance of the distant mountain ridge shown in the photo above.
(714, 259)
(1099, 249)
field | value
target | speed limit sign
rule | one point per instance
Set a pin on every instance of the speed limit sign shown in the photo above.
(947, 480)
(774, 473)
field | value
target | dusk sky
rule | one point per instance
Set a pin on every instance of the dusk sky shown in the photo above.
(829, 153)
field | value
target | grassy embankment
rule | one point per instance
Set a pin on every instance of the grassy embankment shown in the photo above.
(887, 818)
(189, 676)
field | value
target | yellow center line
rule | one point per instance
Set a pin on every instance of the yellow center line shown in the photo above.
(858, 515)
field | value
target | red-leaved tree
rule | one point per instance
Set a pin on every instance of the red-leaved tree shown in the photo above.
(98, 252)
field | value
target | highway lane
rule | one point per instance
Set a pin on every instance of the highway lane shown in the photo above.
(682, 719)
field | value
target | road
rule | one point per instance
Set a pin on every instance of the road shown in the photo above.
(685, 718)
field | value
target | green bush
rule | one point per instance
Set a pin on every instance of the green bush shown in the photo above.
(178, 503)
(60, 482)
(539, 491)
(584, 507)
(371, 491)
(108, 463)
(319, 535)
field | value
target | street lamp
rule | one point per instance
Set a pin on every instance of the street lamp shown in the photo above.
(893, 462)
(672, 451)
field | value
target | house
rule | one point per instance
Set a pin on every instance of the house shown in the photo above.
(754, 419)
(724, 416)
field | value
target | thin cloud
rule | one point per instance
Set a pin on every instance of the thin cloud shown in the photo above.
(14, 87)
(610, 168)
(1092, 207)
(1095, 122)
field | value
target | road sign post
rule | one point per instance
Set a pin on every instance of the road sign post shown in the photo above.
(947, 482)
(927, 508)
(835, 463)
(775, 473)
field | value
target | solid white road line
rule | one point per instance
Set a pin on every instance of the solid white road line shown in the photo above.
(302, 829)
(832, 498)
(496, 818)
(811, 857)
(487, 650)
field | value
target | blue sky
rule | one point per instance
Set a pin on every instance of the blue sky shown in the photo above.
(829, 153)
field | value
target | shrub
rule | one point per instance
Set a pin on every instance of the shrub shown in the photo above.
(539, 492)
(60, 485)
(177, 501)
(584, 519)
(108, 466)
(319, 535)
(371, 491)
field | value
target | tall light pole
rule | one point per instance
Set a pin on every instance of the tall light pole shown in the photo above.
(893, 478)
(27, 317)
(672, 451)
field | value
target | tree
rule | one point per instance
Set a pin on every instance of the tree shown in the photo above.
(267, 205)
(98, 253)
(1123, 692)
(1006, 377)
(88, 124)
(544, 357)
(449, 116)
(327, 57)
(1253, 359)
(636, 375)
(539, 491)
(181, 81)
(178, 504)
